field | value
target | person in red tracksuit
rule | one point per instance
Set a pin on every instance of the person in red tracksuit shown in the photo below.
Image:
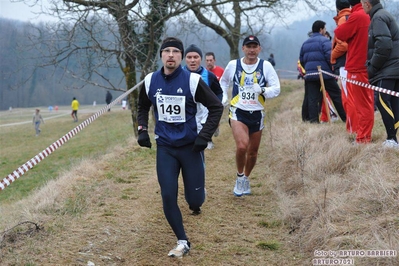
(355, 32)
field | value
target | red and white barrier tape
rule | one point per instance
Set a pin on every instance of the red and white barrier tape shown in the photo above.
(46, 152)
(365, 85)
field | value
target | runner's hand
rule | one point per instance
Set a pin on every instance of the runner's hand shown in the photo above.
(144, 139)
(200, 144)
(258, 89)
(225, 101)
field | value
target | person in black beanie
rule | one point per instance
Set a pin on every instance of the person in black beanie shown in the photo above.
(175, 94)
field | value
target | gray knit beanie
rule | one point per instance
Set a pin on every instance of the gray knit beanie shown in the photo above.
(193, 48)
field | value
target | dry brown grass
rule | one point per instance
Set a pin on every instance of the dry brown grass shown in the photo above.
(312, 190)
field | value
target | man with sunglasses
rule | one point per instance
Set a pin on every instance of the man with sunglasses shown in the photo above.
(254, 80)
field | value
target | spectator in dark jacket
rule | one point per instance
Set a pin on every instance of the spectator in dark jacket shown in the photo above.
(108, 99)
(271, 60)
(316, 51)
(383, 65)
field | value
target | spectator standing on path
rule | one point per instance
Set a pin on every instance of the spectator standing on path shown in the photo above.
(383, 65)
(108, 99)
(316, 51)
(193, 57)
(210, 60)
(175, 94)
(355, 32)
(271, 60)
(249, 76)
(338, 60)
(75, 108)
(37, 119)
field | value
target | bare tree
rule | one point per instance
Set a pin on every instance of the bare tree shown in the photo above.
(393, 8)
(92, 37)
(234, 19)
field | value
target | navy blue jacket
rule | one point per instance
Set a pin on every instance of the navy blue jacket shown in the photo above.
(316, 51)
(212, 81)
(183, 84)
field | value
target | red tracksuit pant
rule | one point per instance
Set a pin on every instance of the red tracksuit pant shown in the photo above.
(347, 102)
(363, 100)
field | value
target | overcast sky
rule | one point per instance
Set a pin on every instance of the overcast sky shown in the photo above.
(20, 11)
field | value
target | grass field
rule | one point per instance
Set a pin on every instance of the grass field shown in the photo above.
(97, 201)
(18, 143)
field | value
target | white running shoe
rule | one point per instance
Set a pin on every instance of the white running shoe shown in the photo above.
(239, 187)
(390, 143)
(247, 186)
(182, 248)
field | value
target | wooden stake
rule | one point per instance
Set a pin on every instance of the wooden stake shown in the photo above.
(323, 90)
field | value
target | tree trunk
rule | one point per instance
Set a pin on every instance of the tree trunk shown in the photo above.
(130, 76)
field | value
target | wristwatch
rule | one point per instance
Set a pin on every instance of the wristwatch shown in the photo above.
(141, 128)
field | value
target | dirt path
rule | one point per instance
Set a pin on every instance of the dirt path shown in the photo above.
(110, 213)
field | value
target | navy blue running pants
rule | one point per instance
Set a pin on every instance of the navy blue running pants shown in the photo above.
(170, 160)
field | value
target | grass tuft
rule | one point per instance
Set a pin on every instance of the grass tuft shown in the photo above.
(271, 224)
(269, 245)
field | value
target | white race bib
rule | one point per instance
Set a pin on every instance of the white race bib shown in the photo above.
(247, 96)
(171, 109)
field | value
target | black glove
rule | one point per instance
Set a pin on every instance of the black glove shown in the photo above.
(200, 144)
(144, 139)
